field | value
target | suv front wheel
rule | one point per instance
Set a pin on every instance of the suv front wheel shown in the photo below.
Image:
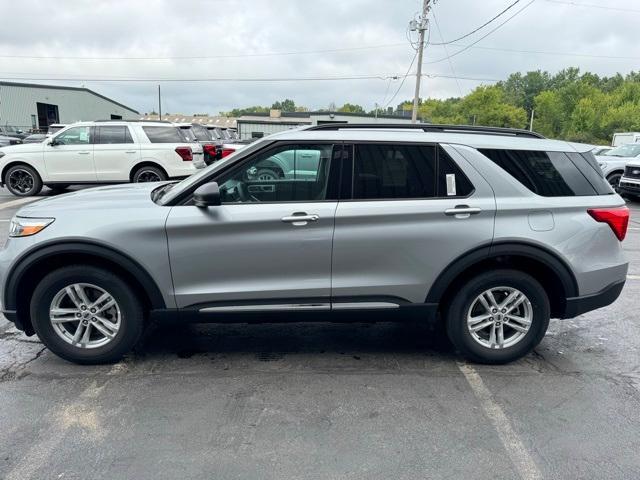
(86, 315)
(23, 181)
(498, 317)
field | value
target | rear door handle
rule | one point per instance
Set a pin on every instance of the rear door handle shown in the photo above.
(300, 219)
(130, 151)
(83, 153)
(462, 210)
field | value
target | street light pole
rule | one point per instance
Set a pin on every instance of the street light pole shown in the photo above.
(422, 28)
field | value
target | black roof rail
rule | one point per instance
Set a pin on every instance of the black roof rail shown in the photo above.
(131, 121)
(427, 127)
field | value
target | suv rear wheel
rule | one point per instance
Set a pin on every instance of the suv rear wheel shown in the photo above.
(86, 315)
(23, 181)
(149, 174)
(498, 317)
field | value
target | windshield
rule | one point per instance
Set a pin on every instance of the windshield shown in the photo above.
(10, 129)
(631, 150)
(185, 184)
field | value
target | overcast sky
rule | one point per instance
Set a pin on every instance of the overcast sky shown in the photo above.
(210, 28)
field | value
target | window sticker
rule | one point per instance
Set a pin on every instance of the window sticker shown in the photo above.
(451, 184)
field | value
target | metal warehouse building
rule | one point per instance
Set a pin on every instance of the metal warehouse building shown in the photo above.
(34, 107)
(257, 125)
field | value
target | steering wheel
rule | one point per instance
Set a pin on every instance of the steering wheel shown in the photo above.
(243, 192)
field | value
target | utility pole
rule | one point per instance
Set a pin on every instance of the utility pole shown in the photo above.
(533, 112)
(422, 28)
(159, 104)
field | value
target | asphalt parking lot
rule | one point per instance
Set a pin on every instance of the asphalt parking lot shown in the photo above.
(383, 401)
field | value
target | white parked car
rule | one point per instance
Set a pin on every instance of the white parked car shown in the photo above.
(615, 160)
(100, 152)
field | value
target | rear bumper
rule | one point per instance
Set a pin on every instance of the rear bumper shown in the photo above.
(579, 305)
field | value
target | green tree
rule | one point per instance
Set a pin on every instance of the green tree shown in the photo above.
(287, 105)
(488, 106)
(351, 108)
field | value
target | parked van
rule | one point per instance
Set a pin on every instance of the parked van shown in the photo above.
(624, 138)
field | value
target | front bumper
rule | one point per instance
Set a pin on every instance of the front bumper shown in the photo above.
(630, 186)
(579, 305)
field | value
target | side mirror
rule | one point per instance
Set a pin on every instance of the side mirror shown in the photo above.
(207, 195)
(54, 142)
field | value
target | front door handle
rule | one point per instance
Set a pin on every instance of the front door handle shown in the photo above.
(465, 210)
(83, 153)
(300, 219)
(130, 151)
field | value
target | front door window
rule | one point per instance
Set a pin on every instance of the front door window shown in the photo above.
(291, 173)
(74, 136)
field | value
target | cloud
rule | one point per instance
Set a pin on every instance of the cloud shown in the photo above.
(199, 28)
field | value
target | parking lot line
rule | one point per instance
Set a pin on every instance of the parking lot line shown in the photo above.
(18, 201)
(633, 277)
(518, 454)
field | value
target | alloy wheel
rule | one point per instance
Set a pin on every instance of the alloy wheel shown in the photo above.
(499, 317)
(148, 176)
(85, 315)
(21, 181)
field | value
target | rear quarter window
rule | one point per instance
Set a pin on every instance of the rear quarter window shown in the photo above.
(163, 134)
(548, 174)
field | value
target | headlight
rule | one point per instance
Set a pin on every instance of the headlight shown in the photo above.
(25, 227)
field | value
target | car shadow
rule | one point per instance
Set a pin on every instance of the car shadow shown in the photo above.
(274, 341)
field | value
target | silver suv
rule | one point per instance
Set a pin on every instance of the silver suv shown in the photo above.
(490, 231)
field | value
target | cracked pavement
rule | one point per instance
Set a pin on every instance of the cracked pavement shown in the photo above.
(330, 401)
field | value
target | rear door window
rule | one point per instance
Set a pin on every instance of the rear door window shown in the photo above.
(390, 171)
(163, 134)
(549, 174)
(112, 134)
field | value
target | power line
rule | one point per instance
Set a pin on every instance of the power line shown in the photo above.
(246, 79)
(404, 78)
(484, 36)
(590, 5)
(480, 27)
(210, 57)
(543, 52)
(446, 51)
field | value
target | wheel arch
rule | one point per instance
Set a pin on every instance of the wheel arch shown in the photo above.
(146, 163)
(33, 265)
(548, 268)
(615, 172)
(13, 163)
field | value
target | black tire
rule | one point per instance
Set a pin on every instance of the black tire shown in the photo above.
(614, 181)
(268, 174)
(131, 312)
(23, 181)
(456, 316)
(148, 173)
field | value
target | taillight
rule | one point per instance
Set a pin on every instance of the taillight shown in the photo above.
(185, 153)
(617, 218)
(226, 151)
(211, 150)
